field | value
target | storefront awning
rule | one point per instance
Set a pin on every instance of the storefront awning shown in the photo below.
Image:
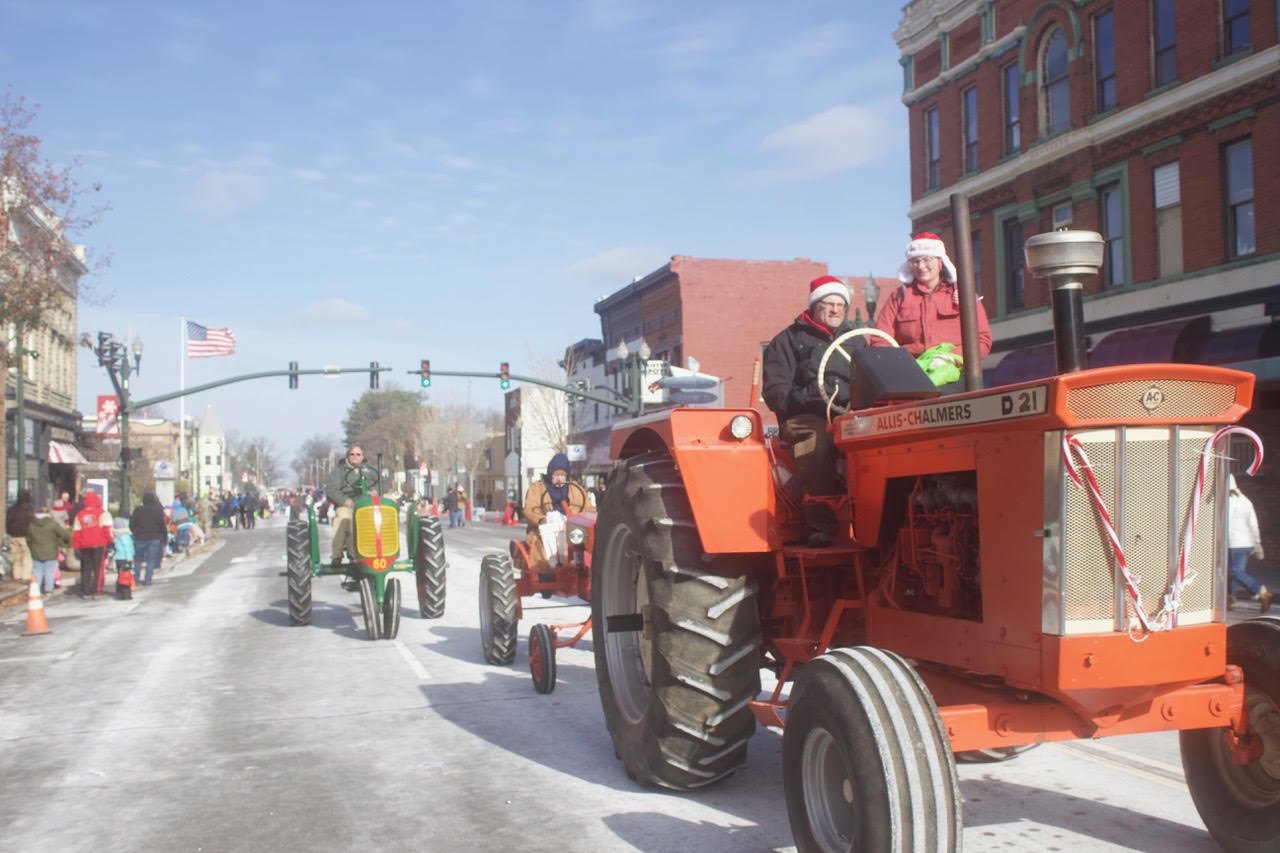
(61, 452)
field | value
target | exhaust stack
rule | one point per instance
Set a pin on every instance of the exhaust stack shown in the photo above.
(1065, 257)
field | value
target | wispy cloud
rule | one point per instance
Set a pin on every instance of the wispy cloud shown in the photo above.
(610, 15)
(621, 263)
(333, 310)
(222, 192)
(308, 174)
(830, 141)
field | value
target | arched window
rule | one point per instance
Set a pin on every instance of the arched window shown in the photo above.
(1055, 88)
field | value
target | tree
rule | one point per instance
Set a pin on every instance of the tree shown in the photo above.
(545, 415)
(387, 422)
(314, 457)
(454, 439)
(257, 455)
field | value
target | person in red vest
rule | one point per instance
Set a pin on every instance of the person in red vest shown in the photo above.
(90, 536)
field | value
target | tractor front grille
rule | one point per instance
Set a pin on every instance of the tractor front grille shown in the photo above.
(1178, 398)
(1147, 476)
(368, 532)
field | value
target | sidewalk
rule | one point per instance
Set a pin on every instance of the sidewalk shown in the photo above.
(13, 593)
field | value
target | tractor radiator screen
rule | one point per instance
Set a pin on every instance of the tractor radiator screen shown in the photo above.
(1147, 476)
(369, 529)
(1176, 398)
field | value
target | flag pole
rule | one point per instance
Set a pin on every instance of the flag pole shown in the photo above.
(182, 401)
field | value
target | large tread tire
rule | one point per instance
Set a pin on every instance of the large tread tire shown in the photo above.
(298, 551)
(866, 764)
(499, 623)
(674, 695)
(542, 658)
(429, 567)
(1240, 804)
(369, 605)
(391, 609)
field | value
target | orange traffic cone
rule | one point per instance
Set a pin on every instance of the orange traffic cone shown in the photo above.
(36, 623)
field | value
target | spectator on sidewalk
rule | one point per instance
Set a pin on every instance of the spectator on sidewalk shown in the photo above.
(46, 536)
(16, 521)
(1243, 539)
(451, 507)
(204, 515)
(150, 532)
(90, 536)
(125, 551)
(61, 511)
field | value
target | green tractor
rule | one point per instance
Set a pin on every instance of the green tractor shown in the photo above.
(376, 523)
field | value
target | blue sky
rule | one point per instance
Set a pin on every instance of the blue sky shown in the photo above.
(349, 182)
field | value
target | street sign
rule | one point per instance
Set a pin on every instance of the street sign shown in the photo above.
(687, 383)
(692, 398)
(331, 371)
(577, 452)
(422, 469)
(163, 470)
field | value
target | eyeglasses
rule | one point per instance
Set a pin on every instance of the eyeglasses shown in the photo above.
(355, 455)
(839, 303)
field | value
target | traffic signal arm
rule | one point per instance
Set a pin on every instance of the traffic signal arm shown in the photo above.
(135, 405)
(623, 404)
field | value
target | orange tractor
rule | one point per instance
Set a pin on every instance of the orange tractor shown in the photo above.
(1039, 562)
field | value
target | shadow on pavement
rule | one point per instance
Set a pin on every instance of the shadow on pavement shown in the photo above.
(332, 617)
(990, 801)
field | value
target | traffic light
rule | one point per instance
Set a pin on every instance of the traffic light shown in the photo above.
(293, 374)
(504, 375)
(373, 375)
(426, 373)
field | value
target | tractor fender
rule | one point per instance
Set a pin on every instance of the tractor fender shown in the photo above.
(729, 481)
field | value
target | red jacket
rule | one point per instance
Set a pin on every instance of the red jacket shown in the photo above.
(92, 527)
(918, 319)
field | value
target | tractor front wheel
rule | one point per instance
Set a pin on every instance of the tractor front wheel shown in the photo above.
(369, 604)
(429, 567)
(542, 658)
(866, 764)
(298, 549)
(498, 620)
(678, 656)
(391, 609)
(1240, 803)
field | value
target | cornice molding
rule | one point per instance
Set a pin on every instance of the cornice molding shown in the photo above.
(923, 20)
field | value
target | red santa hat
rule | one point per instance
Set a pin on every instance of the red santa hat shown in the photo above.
(827, 285)
(926, 245)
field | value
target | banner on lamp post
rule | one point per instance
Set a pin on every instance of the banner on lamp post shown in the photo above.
(108, 416)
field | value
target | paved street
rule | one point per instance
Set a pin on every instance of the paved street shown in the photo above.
(195, 717)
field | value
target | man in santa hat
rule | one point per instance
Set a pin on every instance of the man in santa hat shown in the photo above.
(790, 389)
(925, 311)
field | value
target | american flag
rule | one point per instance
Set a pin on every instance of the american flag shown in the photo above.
(206, 343)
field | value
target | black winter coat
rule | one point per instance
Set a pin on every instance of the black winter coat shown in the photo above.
(147, 520)
(791, 369)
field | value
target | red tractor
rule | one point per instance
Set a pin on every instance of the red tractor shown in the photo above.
(1044, 561)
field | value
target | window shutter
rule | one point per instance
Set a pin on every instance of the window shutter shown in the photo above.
(1167, 184)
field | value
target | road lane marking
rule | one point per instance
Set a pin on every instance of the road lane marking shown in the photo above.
(1108, 756)
(418, 669)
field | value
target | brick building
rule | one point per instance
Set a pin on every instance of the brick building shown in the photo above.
(1155, 123)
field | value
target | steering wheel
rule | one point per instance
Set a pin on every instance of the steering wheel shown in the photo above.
(548, 505)
(835, 347)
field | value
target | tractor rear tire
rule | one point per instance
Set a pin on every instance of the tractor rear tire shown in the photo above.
(391, 609)
(498, 620)
(1240, 804)
(542, 658)
(994, 755)
(866, 764)
(298, 553)
(369, 604)
(674, 692)
(429, 567)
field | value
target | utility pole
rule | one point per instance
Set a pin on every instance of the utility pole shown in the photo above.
(113, 356)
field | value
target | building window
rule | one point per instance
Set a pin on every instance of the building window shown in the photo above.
(970, 99)
(1235, 25)
(1237, 159)
(1013, 264)
(1112, 219)
(1012, 141)
(1164, 34)
(1056, 88)
(208, 460)
(1167, 183)
(1104, 59)
(933, 147)
(1061, 216)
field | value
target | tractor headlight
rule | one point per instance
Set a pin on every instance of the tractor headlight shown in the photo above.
(741, 427)
(577, 536)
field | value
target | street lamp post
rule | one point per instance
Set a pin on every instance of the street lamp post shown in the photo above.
(113, 356)
(871, 295)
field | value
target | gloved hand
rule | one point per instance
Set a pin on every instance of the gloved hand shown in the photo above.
(1258, 552)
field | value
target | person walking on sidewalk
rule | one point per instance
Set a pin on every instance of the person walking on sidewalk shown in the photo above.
(16, 521)
(150, 532)
(46, 536)
(1243, 540)
(90, 536)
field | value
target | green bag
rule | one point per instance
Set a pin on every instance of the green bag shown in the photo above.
(941, 364)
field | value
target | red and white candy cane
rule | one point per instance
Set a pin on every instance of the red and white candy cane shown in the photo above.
(1194, 514)
(1071, 450)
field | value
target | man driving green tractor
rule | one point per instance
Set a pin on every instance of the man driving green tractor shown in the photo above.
(343, 489)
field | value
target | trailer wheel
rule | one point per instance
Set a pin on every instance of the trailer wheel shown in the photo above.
(429, 567)
(498, 620)
(993, 755)
(542, 658)
(866, 764)
(298, 554)
(677, 649)
(1240, 804)
(391, 609)
(369, 604)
